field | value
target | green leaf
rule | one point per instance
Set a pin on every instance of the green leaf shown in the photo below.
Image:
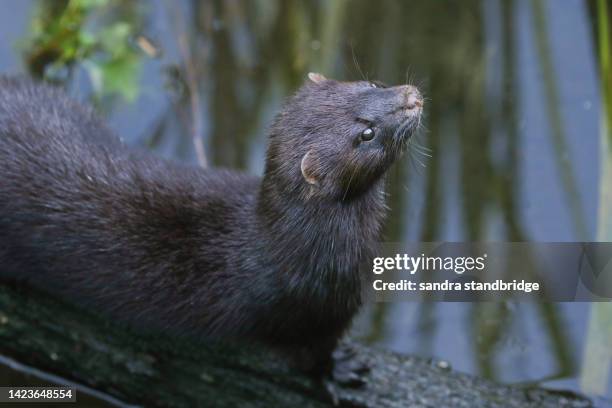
(120, 76)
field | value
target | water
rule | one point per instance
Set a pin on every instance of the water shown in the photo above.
(512, 127)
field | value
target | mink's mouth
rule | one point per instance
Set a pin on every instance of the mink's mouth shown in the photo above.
(404, 131)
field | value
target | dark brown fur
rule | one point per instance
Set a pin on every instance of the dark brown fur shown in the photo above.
(205, 252)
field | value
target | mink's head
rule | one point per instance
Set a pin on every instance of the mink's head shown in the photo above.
(335, 139)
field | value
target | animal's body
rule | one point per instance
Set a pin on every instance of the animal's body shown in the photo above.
(203, 251)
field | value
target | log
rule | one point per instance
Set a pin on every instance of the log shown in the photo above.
(154, 370)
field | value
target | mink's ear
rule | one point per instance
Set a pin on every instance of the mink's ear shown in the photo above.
(308, 167)
(316, 78)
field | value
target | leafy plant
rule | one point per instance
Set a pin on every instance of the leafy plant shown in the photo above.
(68, 34)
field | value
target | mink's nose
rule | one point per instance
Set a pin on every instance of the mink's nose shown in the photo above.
(413, 97)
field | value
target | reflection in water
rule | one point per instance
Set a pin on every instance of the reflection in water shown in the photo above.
(556, 121)
(509, 150)
(596, 374)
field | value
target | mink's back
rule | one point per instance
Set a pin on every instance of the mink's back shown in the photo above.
(82, 214)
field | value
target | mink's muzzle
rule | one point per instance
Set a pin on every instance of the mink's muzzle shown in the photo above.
(405, 106)
(414, 99)
(411, 108)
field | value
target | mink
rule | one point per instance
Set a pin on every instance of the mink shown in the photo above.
(208, 252)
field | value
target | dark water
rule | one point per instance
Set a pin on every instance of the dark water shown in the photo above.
(510, 152)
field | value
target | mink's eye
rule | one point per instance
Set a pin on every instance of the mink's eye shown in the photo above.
(377, 84)
(373, 85)
(367, 135)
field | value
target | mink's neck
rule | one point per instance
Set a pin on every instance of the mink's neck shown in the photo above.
(323, 242)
